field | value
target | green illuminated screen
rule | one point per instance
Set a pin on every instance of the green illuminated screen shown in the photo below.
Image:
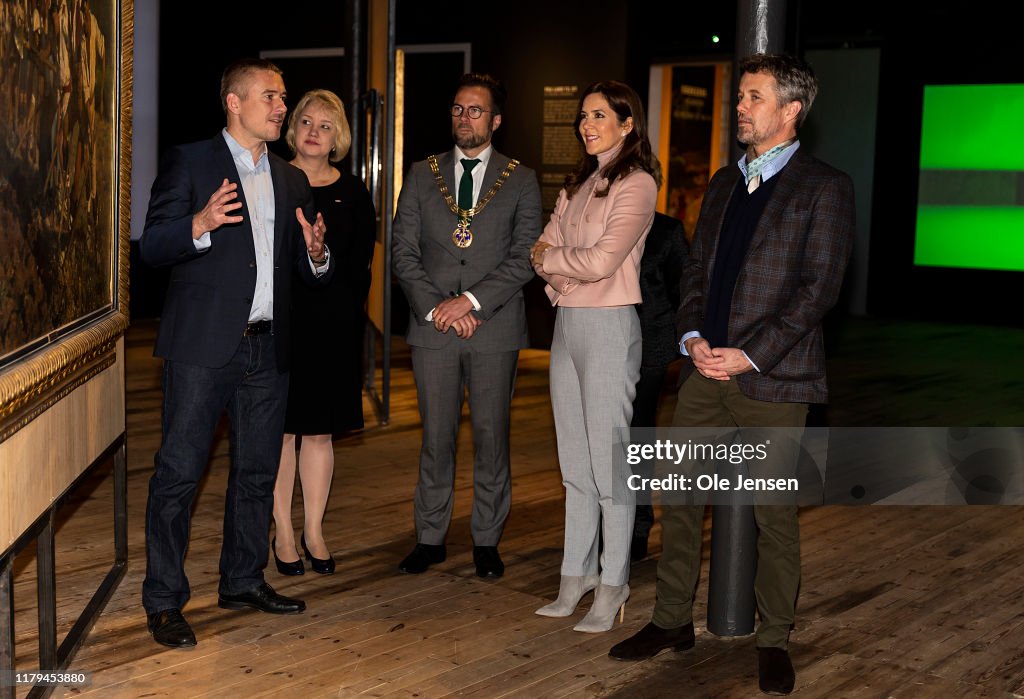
(970, 204)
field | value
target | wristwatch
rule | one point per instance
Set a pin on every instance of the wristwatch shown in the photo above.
(322, 261)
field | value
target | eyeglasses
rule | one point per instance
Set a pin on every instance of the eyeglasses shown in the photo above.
(474, 112)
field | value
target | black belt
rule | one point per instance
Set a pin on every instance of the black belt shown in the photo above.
(260, 327)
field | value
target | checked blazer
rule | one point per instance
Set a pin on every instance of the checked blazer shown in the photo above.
(790, 277)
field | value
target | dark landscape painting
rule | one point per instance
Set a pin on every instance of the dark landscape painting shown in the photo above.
(58, 166)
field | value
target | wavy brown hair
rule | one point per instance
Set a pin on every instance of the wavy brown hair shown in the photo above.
(636, 148)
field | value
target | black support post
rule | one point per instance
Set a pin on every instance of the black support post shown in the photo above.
(46, 585)
(760, 28)
(6, 627)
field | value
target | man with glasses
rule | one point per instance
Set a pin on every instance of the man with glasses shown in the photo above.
(465, 223)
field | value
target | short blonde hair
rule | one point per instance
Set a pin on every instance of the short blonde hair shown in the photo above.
(336, 113)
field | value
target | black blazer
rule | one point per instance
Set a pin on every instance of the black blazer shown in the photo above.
(210, 293)
(661, 269)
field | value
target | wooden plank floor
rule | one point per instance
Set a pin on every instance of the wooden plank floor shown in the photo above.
(895, 601)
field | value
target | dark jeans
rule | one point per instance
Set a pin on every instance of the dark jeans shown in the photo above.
(254, 394)
(645, 414)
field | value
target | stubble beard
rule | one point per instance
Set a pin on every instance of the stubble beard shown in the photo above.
(747, 136)
(470, 140)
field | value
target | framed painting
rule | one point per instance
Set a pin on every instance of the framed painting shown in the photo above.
(65, 159)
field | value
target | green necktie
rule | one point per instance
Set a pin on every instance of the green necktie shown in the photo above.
(466, 183)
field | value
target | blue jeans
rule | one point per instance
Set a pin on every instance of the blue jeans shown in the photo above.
(255, 395)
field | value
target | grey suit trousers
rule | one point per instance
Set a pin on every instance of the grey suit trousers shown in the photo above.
(442, 378)
(595, 364)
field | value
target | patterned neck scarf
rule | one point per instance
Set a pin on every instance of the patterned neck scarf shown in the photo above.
(755, 166)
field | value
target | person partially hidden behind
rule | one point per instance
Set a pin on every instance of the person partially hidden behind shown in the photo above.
(233, 221)
(325, 396)
(767, 261)
(665, 250)
(462, 265)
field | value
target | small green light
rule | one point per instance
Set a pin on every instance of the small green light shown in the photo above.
(715, 39)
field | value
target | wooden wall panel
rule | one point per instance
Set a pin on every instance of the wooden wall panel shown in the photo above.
(42, 459)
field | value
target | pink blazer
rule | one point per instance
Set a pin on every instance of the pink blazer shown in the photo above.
(598, 243)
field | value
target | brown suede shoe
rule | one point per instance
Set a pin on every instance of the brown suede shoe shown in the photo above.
(775, 674)
(651, 640)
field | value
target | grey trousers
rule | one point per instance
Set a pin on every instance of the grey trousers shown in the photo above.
(595, 364)
(442, 379)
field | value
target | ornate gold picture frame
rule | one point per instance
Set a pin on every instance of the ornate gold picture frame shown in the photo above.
(65, 181)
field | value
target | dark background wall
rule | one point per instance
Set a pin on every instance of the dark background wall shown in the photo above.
(948, 43)
(531, 43)
(198, 39)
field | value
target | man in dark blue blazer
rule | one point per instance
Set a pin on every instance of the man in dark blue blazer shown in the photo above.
(233, 222)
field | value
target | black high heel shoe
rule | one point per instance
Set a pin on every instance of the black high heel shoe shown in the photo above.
(293, 568)
(324, 566)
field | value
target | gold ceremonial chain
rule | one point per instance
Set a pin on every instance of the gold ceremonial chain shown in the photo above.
(462, 236)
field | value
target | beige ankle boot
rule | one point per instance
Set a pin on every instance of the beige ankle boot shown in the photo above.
(609, 600)
(570, 590)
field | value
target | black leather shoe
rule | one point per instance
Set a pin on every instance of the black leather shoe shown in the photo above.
(324, 566)
(488, 562)
(651, 640)
(775, 673)
(292, 568)
(169, 628)
(264, 599)
(638, 549)
(422, 557)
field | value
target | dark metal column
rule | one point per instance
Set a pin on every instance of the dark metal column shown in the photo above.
(760, 28)
(355, 53)
(121, 505)
(46, 584)
(6, 627)
(389, 204)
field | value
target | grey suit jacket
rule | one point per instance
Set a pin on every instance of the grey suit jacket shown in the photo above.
(430, 268)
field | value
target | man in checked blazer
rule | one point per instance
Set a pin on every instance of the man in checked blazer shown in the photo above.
(766, 263)
(467, 316)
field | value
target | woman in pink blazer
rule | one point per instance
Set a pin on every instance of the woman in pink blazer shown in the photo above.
(589, 254)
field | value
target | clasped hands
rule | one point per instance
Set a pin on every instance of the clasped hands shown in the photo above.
(537, 252)
(222, 202)
(719, 363)
(456, 312)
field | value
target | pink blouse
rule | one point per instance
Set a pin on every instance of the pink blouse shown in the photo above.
(598, 241)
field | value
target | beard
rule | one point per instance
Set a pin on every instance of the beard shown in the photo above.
(746, 134)
(471, 139)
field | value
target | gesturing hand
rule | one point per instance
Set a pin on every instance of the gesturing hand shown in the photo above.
(216, 212)
(313, 234)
